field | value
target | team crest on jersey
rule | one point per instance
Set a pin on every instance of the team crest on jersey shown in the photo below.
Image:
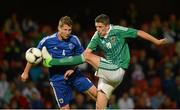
(113, 39)
(70, 46)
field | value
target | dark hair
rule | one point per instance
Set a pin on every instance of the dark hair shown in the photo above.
(102, 18)
(65, 20)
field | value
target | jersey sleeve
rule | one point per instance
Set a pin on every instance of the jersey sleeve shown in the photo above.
(79, 48)
(42, 43)
(127, 32)
(93, 43)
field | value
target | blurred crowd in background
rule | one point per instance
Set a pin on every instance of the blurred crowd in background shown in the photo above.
(152, 80)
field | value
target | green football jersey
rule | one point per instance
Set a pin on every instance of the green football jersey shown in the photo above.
(114, 45)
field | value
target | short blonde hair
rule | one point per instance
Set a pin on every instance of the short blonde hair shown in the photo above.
(65, 20)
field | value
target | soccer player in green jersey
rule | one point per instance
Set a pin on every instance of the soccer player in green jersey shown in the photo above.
(111, 69)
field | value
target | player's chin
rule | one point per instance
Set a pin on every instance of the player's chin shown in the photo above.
(102, 34)
(65, 37)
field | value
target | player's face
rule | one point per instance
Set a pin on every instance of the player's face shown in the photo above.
(65, 31)
(102, 28)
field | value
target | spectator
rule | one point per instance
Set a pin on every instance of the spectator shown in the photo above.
(125, 102)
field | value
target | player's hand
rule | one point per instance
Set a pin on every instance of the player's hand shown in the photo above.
(24, 76)
(163, 41)
(68, 73)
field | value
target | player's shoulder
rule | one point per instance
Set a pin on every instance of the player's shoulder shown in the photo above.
(49, 37)
(96, 35)
(117, 27)
(74, 39)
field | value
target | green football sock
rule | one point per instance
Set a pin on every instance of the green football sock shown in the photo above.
(72, 60)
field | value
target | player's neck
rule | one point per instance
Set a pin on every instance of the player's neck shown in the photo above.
(59, 36)
(107, 32)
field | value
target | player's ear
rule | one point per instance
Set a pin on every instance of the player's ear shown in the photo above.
(107, 25)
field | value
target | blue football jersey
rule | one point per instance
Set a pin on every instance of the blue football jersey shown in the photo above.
(59, 49)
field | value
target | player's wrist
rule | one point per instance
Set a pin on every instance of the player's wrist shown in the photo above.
(75, 68)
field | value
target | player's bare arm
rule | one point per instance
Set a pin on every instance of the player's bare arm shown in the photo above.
(25, 74)
(68, 73)
(152, 39)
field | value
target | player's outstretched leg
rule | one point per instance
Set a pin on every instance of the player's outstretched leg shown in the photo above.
(66, 61)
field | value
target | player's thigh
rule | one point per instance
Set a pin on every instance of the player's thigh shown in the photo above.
(92, 59)
(92, 92)
(109, 80)
(105, 87)
(62, 92)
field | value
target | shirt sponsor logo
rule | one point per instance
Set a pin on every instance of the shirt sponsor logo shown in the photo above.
(71, 46)
(108, 45)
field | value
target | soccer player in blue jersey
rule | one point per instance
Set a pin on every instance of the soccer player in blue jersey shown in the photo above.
(111, 69)
(59, 45)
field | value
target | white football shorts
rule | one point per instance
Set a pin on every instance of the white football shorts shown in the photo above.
(109, 79)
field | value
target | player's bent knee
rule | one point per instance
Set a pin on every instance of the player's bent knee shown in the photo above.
(87, 56)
